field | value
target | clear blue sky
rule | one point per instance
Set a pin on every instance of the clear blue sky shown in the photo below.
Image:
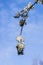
(9, 30)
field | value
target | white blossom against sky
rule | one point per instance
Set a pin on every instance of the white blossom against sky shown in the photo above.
(9, 30)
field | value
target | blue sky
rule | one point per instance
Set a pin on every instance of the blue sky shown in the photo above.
(9, 30)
